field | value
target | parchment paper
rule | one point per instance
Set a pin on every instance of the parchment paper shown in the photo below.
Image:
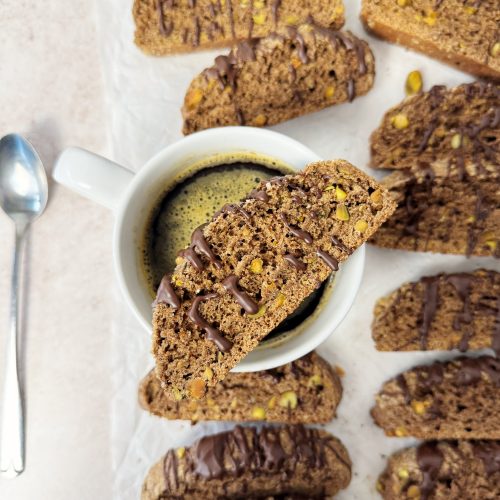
(144, 95)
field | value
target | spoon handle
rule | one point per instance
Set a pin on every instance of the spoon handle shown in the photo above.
(12, 430)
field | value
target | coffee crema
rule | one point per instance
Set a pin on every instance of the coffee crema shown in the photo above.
(191, 200)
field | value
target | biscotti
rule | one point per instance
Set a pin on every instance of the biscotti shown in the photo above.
(462, 33)
(466, 470)
(442, 312)
(305, 391)
(254, 264)
(170, 26)
(457, 399)
(457, 127)
(442, 211)
(275, 462)
(273, 79)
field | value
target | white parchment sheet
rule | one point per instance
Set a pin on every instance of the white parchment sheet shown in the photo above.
(144, 96)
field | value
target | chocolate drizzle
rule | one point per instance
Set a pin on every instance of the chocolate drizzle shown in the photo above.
(213, 333)
(198, 242)
(166, 27)
(351, 90)
(243, 298)
(471, 369)
(295, 262)
(328, 259)
(489, 453)
(231, 454)
(297, 232)
(274, 10)
(340, 245)
(429, 459)
(462, 284)
(260, 195)
(166, 294)
(429, 307)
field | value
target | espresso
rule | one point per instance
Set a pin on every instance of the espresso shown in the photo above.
(191, 202)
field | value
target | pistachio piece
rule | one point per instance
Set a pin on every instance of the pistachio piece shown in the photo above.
(181, 451)
(291, 20)
(272, 402)
(400, 121)
(208, 374)
(495, 49)
(341, 213)
(340, 193)
(258, 413)
(329, 92)
(259, 18)
(197, 388)
(419, 407)
(259, 4)
(314, 380)
(260, 120)
(401, 432)
(413, 491)
(259, 313)
(431, 18)
(193, 98)
(177, 394)
(288, 400)
(280, 299)
(413, 83)
(379, 486)
(256, 266)
(361, 226)
(469, 9)
(234, 403)
(403, 3)
(296, 62)
(456, 141)
(403, 473)
(210, 402)
(376, 196)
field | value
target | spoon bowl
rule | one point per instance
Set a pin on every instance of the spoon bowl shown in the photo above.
(23, 182)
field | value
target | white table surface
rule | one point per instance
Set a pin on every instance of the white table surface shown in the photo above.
(50, 90)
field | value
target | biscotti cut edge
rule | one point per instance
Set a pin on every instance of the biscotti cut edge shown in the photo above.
(391, 34)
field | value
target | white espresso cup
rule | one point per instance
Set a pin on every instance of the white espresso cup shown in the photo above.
(132, 197)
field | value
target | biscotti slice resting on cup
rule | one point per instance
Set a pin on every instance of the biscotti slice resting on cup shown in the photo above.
(273, 462)
(441, 312)
(441, 211)
(273, 79)
(169, 26)
(458, 127)
(254, 264)
(457, 399)
(305, 391)
(463, 33)
(443, 470)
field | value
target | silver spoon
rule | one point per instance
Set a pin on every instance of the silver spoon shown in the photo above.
(23, 197)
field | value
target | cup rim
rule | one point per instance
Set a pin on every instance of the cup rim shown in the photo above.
(276, 356)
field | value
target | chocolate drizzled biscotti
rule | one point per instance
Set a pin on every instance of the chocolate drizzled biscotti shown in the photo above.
(254, 264)
(463, 33)
(171, 26)
(305, 391)
(458, 399)
(457, 127)
(275, 462)
(443, 471)
(441, 211)
(266, 81)
(442, 312)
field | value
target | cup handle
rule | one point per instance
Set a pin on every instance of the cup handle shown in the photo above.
(92, 176)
